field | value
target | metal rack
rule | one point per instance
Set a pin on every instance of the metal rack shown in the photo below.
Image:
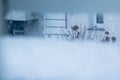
(16, 27)
(18, 21)
(60, 24)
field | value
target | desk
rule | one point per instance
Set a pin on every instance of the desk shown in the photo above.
(95, 33)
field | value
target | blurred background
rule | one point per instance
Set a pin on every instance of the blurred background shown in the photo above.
(39, 17)
(35, 32)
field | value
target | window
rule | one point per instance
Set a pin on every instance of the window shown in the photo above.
(99, 18)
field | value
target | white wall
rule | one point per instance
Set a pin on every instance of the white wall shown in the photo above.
(112, 24)
(80, 19)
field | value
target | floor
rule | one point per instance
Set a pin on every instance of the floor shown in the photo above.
(48, 59)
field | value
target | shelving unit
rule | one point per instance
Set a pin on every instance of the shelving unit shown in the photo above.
(55, 24)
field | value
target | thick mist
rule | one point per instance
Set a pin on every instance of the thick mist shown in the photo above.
(50, 59)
